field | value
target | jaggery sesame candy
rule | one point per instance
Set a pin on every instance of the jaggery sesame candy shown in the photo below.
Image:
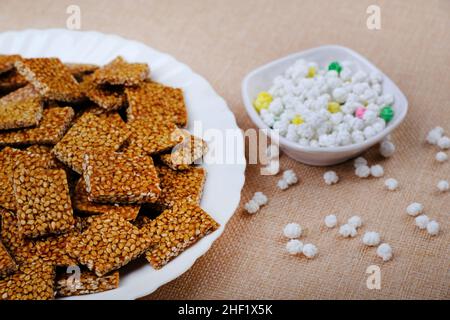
(120, 178)
(11, 80)
(80, 70)
(51, 129)
(106, 96)
(7, 263)
(20, 109)
(150, 137)
(53, 250)
(43, 202)
(33, 281)
(7, 62)
(156, 102)
(183, 155)
(51, 78)
(175, 230)
(89, 133)
(120, 72)
(82, 204)
(87, 283)
(176, 186)
(108, 243)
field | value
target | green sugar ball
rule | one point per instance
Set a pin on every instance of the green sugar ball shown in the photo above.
(387, 113)
(336, 66)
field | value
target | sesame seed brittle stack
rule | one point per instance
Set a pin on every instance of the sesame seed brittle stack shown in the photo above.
(96, 170)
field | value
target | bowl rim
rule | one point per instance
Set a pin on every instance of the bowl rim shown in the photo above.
(294, 145)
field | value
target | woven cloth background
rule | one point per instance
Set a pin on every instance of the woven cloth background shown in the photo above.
(223, 40)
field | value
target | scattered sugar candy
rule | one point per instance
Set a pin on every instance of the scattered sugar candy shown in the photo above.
(294, 246)
(387, 148)
(290, 177)
(434, 135)
(362, 171)
(444, 143)
(251, 207)
(360, 161)
(371, 238)
(422, 221)
(272, 169)
(433, 228)
(347, 231)
(331, 221)
(443, 186)
(384, 251)
(292, 231)
(309, 250)
(391, 184)
(441, 156)
(330, 177)
(414, 209)
(377, 171)
(260, 198)
(355, 222)
(282, 184)
(273, 152)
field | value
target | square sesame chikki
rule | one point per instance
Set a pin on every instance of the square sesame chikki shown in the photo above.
(175, 230)
(88, 283)
(20, 109)
(82, 204)
(120, 178)
(186, 153)
(89, 133)
(51, 78)
(53, 249)
(108, 243)
(51, 129)
(156, 102)
(153, 137)
(11, 80)
(176, 186)
(80, 70)
(120, 72)
(33, 281)
(7, 263)
(106, 96)
(7, 62)
(43, 202)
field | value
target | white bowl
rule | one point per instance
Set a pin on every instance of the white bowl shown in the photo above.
(261, 80)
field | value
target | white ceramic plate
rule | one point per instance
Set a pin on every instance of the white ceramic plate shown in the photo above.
(261, 79)
(224, 182)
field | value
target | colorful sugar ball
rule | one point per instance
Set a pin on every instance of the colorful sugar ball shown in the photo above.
(334, 107)
(311, 72)
(336, 66)
(387, 113)
(297, 120)
(263, 101)
(359, 113)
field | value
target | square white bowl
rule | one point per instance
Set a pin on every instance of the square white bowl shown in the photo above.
(261, 79)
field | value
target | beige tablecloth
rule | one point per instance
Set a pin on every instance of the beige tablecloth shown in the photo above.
(223, 40)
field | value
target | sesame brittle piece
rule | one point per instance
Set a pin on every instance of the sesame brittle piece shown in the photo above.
(106, 96)
(7, 263)
(175, 230)
(51, 129)
(120, 72)
(87, 283)
(80, 70)
(51, 78)
(82, 204)
(53, 249)
(43, 202)
(7, 62)
(176, 186)
(108, 243)
(157, 103)
(20, 109)
(191, 150)
(120, 178)
(33, 281)
(89, 133)
(11, 80)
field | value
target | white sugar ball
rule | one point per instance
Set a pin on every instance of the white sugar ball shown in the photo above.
(387, 148)
(355, 222)
(252, 207)
(347, 231)
(292, 231)
(369, 132)
(434, 135)
(282, 184)
(362, 171)
(441, 156)
(384, 251)
(391, 184)
(444, 143)
(377, 171)
(310, 250)
(433, 228)
(422, 221)
(360, 161)
(290, 177)
(273, 151)
(260, 198)
(414, 209)
(330, 177)
(340, 95)
(443, 185)
(371, 238)
(331, 221)
(272, 169)
(294, 246)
